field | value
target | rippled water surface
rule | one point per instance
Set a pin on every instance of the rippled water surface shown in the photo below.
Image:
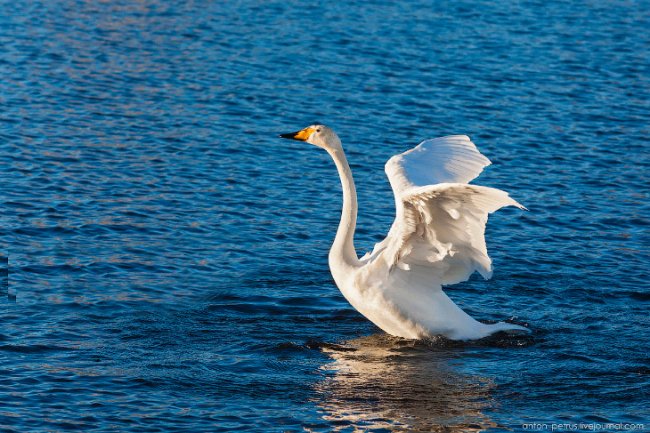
(168, 253)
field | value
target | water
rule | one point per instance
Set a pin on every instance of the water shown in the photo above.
(168, 253)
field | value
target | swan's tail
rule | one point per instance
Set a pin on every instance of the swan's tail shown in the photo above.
(506, 327)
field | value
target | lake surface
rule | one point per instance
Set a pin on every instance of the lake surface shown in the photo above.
(168, 253)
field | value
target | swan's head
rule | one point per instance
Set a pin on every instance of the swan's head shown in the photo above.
(318, 135)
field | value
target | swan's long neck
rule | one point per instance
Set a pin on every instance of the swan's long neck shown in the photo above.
(342, 254)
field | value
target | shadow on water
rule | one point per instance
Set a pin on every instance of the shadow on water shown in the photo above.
(383, 383)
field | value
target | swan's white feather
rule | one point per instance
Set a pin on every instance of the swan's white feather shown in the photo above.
(440, 230)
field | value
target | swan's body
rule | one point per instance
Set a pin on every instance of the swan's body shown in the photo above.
(437, 238)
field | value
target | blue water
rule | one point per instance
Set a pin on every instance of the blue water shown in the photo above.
(168, 253)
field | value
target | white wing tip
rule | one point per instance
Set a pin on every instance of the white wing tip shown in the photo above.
(518, 205)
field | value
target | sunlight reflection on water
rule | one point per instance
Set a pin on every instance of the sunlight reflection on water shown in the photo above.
(384, 382)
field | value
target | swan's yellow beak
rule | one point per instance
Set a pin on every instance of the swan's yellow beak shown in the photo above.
(301, 135)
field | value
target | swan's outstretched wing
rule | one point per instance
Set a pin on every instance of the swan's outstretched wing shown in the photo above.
(451, 159)
(439, 228)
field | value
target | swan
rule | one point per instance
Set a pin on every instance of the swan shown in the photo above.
(437, 238)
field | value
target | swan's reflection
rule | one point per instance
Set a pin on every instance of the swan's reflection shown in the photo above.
(380, 382)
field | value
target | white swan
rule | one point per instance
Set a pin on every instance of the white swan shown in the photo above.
(437, 238)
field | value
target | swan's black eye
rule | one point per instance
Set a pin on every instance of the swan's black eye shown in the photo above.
(318, 130)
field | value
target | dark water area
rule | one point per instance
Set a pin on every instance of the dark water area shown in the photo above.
(167, 253)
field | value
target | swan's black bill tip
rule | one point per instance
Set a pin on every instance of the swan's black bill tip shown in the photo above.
(292, 136)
